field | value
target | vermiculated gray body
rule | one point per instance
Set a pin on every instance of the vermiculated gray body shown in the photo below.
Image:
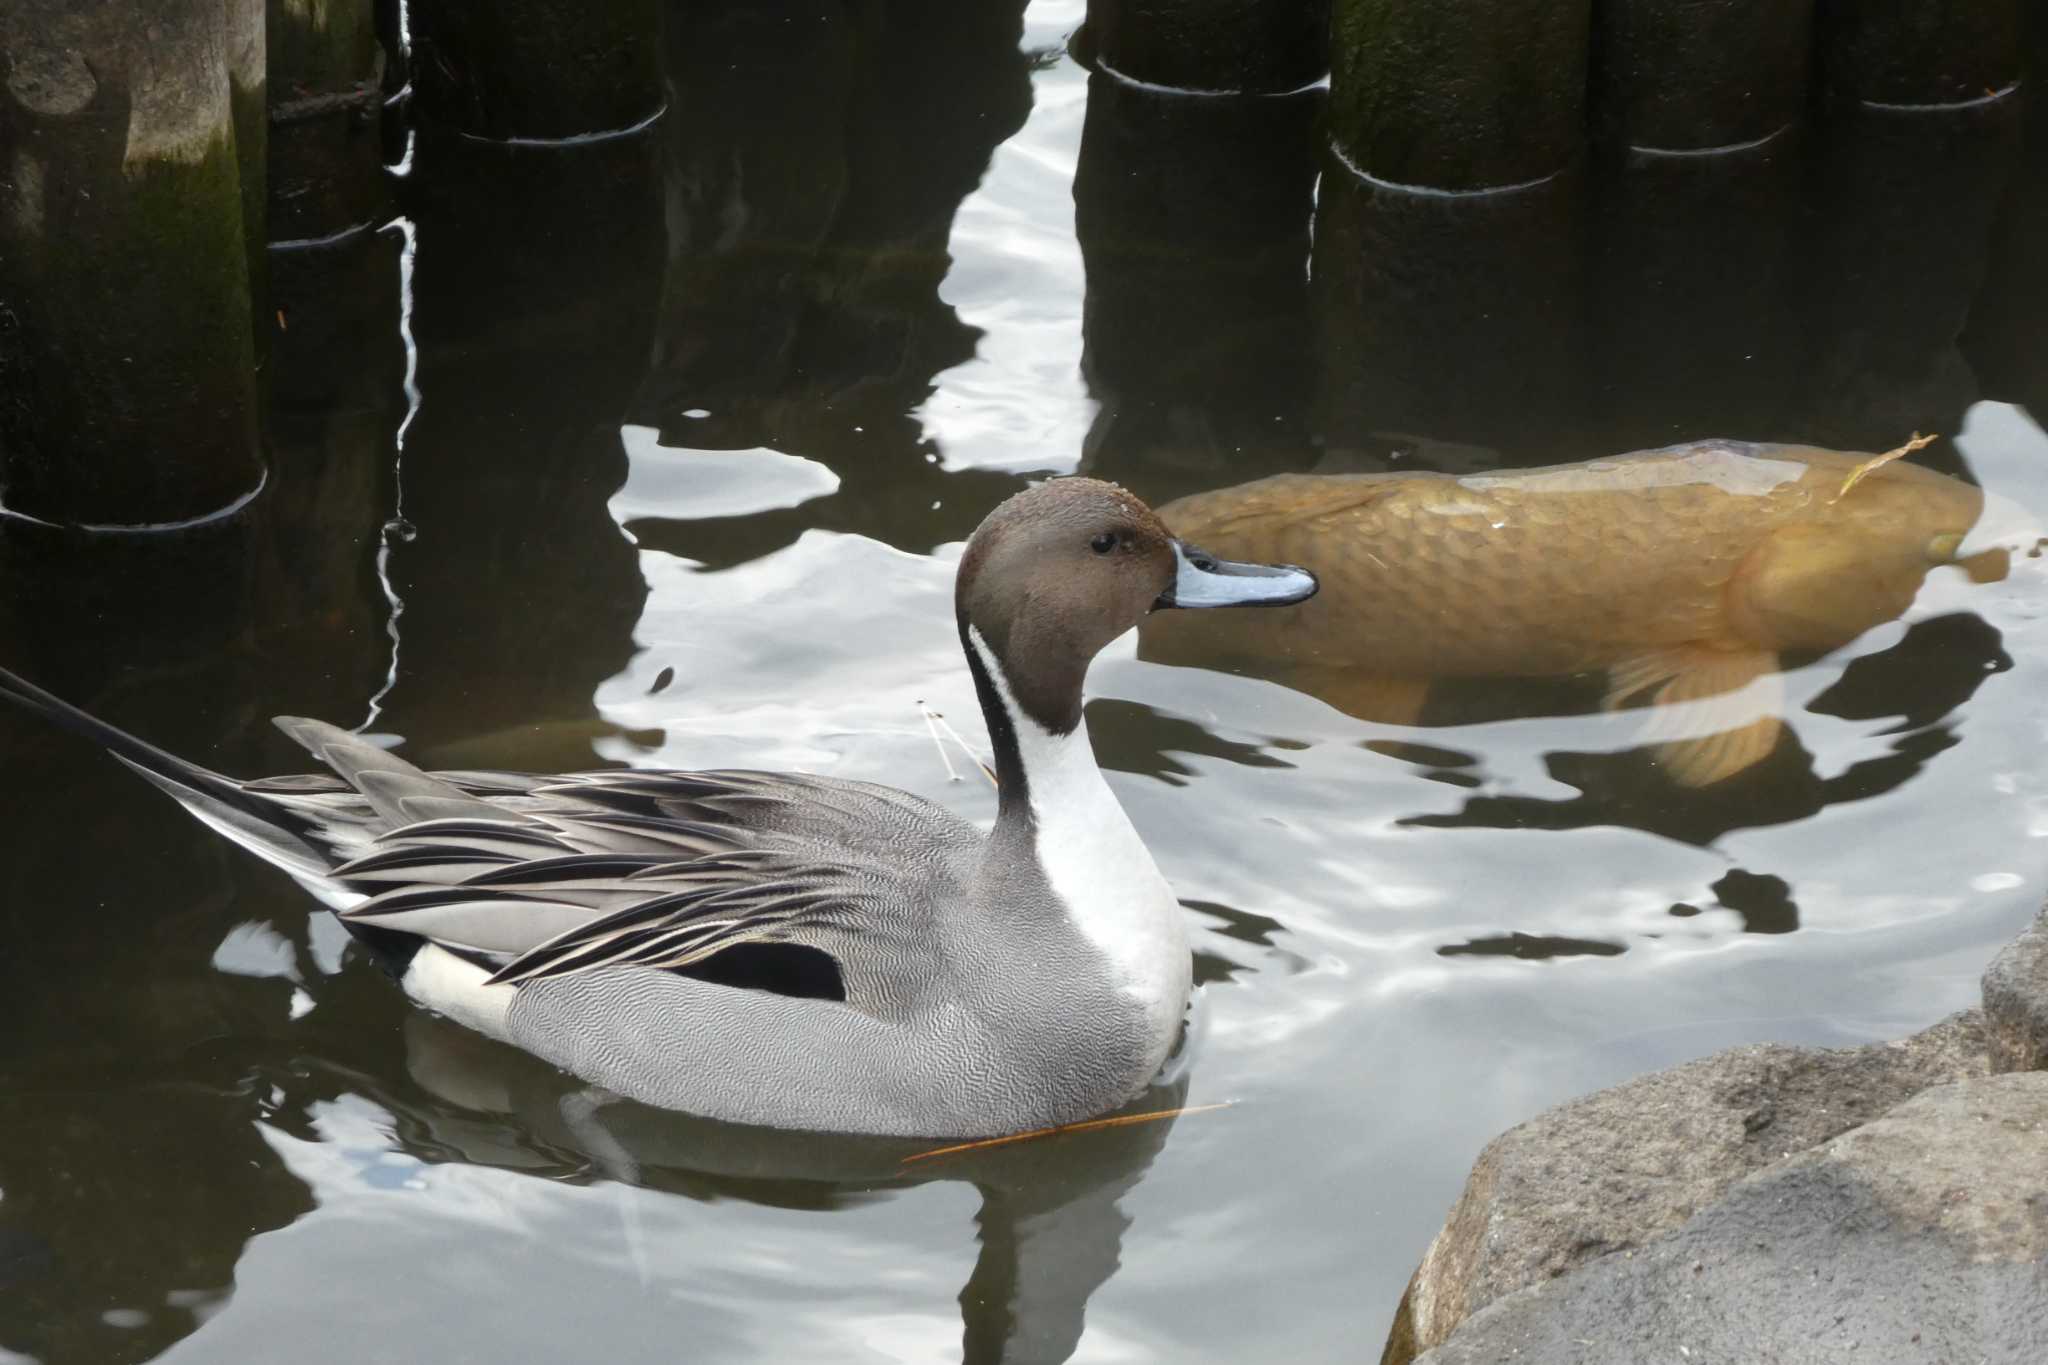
(960, 1023)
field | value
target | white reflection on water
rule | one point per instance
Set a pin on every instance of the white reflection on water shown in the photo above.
(409, 1252)
(1016, 274)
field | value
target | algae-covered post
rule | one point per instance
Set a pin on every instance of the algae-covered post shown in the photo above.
(1212, 46)
(1458, 94)
(127, 389)
(538, 69)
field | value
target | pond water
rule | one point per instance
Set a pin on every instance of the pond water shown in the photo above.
(659, 450)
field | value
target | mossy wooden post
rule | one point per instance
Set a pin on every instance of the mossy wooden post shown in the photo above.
(539, 70)
(1458, 94)
(127, 388)
(1193, 219)
(1689, 75)
(1697, 106)
(1213, 46)
(1918, 146)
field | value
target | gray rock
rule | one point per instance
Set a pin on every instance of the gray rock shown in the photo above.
(2016, 1001)
(1919, 1238)
(1619, 1168)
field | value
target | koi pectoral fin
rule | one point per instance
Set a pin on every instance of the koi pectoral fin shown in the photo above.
(1734, 707)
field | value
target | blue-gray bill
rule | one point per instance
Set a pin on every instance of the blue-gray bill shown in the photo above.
(1202, 580)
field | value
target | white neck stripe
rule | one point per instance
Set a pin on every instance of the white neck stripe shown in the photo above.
(1094, 861)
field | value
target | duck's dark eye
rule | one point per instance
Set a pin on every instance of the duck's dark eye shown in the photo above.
(1103, 543)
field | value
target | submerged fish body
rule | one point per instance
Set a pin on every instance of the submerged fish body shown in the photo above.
(1683, 572)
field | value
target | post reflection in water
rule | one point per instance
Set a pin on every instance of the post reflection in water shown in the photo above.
(679, 490)
(1193, 219)
(533, 313)
(814, 165)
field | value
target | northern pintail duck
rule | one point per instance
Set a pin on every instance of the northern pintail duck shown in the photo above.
(777, 948)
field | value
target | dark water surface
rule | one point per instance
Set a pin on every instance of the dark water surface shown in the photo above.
(697, 422)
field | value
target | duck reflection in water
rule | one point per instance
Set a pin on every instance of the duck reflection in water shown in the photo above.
(1684, 574)
(1049, 1230)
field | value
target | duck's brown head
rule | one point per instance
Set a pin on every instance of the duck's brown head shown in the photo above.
(1058, 571)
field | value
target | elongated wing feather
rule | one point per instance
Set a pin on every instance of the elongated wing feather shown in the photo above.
(699, 909)
(666, 870)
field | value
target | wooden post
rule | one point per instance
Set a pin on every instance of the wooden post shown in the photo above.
(337, 362)
(1922, 130)
(326, 76)
(2007, 336)
(1458, 94)
(1908, 199)
(539, 70)
(1693, 291)
(1917, 52)
(127, 387)
(1450, 318)
(248, 93)
(1193, 218)
(1693, 74)
(1214, 46)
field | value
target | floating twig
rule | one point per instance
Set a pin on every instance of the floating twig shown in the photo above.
(939, 717)
(937, 743)
(1062, 1129)
(1876, 462)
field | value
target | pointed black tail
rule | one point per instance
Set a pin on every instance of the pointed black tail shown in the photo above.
(266, 827)
(115, 741)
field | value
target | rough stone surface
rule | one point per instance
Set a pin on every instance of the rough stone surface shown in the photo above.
(2016, 1001)
(1619, 1168)
(1921, 1237)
